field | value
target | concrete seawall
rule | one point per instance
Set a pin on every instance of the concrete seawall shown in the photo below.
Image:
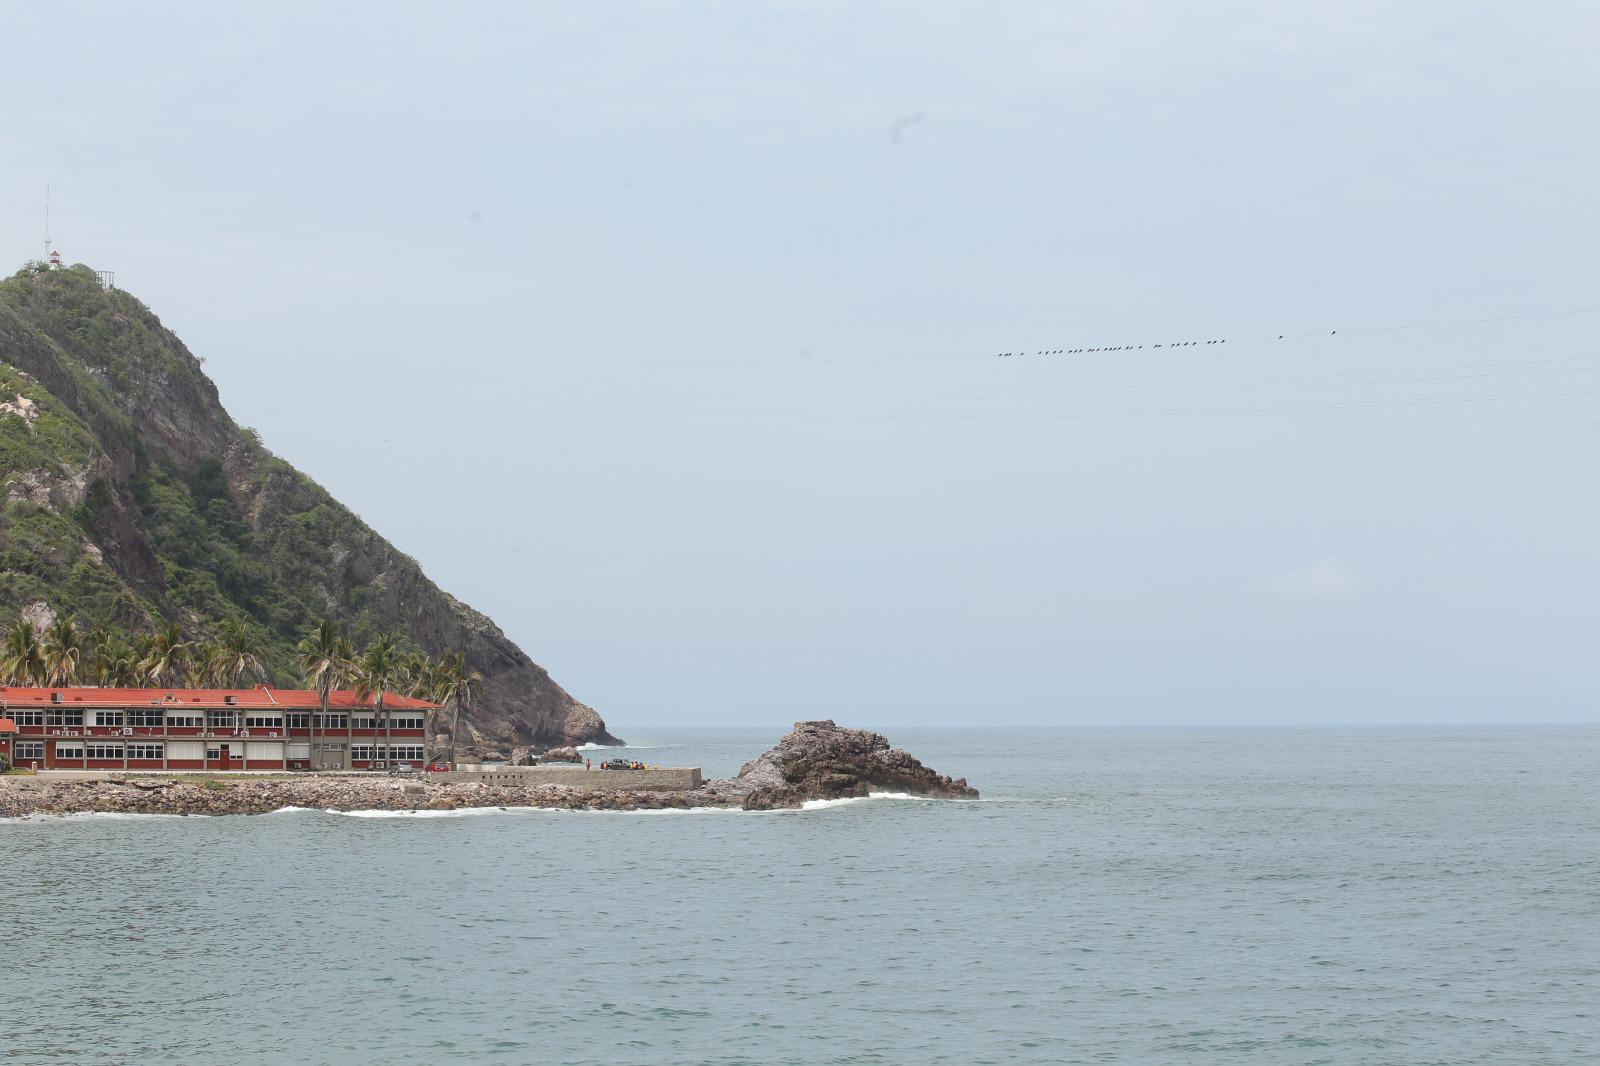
(653, 779)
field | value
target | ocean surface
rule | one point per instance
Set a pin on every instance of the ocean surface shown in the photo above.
(1334, 895)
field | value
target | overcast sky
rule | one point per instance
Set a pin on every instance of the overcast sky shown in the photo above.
(665, 333)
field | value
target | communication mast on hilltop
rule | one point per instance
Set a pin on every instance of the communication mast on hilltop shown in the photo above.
(51, 256)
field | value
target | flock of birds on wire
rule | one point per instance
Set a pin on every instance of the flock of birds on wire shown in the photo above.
(1111, 348)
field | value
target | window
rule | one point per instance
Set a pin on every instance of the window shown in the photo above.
(297, 721)
(23, 717)
(104, 750)
(364, 721)
(222, 719)
(405, 721)
(107, 717)
(383, 751)
(34, 749)
(332, 721)
(186, 749)
(264, 721)
(63, 716)
(145, 716)
(144, 751)
(184, 720)
(214, 754)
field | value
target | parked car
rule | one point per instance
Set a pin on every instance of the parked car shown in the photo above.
(616, 764)
(402, 768)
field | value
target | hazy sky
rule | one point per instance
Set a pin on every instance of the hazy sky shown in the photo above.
(664, 333)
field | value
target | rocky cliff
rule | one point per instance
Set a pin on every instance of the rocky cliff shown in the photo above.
(128, 496)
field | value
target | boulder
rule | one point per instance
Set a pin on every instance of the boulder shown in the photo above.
(561, 755)
(821, 760)
(521, 757)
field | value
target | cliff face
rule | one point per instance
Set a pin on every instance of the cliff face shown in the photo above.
(128, 495)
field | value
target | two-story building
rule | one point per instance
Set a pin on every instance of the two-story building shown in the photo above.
(258, 728)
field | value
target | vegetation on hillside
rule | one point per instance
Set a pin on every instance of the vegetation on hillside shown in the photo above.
(131, 502)
(209, 566)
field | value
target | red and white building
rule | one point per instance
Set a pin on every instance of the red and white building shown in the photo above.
(258, 728)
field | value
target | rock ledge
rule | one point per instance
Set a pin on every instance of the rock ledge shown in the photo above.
(821, 760)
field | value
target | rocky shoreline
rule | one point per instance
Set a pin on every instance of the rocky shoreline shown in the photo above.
(819, 760)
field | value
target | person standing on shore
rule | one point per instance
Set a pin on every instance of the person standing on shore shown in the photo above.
(588, 765)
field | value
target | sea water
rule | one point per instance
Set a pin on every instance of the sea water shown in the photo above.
(1338, 895)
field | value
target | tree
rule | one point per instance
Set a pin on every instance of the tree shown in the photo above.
(239, 652)
(454, 686)
(166, 663)
(144, 646)
(417, 674)
(205, 664)
(62, 651)
(324, 660)
(116, 663)
(379, 669)
(24, 658)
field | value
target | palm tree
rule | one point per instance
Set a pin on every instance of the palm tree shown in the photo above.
(143, 647)
(205, 664)
(322, 656)
(116, 663)
(167, 661)
(24, 658)
(378, 670)
(238, 653)
(346, 675)
(416, 673)
(62, 648)
(454, 686)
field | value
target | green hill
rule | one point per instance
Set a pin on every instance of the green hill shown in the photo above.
(132, 498)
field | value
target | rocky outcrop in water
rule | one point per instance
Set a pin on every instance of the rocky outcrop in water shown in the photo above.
(821, 760)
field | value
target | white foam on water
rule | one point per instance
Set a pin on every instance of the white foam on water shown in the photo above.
(459, 812)
(822, 805)
(678, 810)
(819, 805)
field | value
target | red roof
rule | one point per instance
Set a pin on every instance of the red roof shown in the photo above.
(260, 696)
(7, 726)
